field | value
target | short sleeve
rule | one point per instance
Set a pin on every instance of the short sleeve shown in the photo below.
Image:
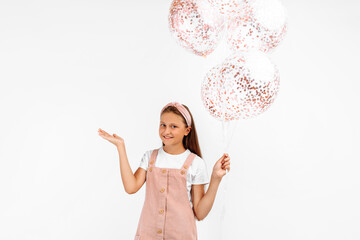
(144, 163)
(201, 173)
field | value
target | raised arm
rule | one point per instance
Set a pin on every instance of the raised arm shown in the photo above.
(132, 182)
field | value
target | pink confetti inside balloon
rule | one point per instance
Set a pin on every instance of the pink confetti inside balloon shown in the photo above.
(243, 86)
(261, 25)
(195, 25)
(227, 7)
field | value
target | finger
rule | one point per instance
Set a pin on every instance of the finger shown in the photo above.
(223, 158)
(225, 162)
(105, 134)
(224, 169)
(101, 131)
(226, 165)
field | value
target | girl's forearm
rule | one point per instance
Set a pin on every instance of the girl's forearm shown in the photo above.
(205, 204)
(127, 176)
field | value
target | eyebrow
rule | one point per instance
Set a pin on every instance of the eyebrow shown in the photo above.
(169, 123)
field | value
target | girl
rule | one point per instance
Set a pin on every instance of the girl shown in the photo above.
(175, 176)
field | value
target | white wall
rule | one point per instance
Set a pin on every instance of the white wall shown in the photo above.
(68, 68)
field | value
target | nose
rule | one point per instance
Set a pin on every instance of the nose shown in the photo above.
(167, 130)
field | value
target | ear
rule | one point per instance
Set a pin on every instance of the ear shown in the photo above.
(188, 131)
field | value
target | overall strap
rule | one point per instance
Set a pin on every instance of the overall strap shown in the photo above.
(188, 162)
(153, 157)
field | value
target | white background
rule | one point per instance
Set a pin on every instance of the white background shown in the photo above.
(68, 68)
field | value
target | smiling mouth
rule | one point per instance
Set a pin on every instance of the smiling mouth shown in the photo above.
(167, 137)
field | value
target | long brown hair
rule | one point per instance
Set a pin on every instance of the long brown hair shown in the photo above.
(190, 141)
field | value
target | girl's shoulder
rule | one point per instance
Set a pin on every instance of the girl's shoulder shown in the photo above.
(197, 157)
(199, 171)
(198, 162)
(147, 154)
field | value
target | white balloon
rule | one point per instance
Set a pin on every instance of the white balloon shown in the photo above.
(195, 25)
(243, 86)
(261, 25)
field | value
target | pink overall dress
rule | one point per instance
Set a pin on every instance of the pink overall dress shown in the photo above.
(167, 213)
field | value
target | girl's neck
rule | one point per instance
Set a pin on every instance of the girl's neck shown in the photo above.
(174, 150)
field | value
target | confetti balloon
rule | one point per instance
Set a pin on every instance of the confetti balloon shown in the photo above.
(227, 7)
(196, 25)
(243, 86)
(262, 25)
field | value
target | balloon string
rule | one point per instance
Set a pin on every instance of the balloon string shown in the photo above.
(223, 209)
(227, 137)
(225, 126)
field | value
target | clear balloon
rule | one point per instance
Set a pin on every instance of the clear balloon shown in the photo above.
(243, 86)
(196, 25)
(261, 25)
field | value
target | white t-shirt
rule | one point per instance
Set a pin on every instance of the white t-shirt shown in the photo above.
(196, 173)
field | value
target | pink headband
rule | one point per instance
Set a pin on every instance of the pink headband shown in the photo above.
(182, 110)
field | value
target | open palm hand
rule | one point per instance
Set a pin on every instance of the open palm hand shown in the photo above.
(114, 139)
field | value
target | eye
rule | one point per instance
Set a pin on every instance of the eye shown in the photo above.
(174, 126)
(162, 125)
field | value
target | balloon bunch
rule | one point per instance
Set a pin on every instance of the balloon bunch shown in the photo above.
(247, 82)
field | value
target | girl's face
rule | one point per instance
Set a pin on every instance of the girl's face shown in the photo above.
(172, 129)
